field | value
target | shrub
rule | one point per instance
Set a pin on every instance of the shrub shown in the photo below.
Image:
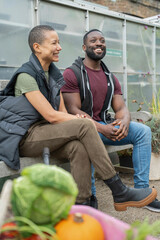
(154, 124)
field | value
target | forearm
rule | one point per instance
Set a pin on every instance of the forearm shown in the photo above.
(124, 114)
(120, 109)
(58, 117)
(75, 110)
(122, 118)
(100, 127)
(40, 103)
(62, 107)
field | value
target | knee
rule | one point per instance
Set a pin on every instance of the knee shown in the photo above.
(87, 124)
(77, 148)
(146, 131)
(140, 131)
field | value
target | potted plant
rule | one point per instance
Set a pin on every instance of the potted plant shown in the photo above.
(125, 158)
(154, 124)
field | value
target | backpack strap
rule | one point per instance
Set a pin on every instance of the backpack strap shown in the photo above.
(78, 75)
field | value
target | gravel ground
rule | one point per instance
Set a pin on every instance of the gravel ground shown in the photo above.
(105, 202)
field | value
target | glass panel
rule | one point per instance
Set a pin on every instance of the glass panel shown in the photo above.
(6, 72)
(112, 30)
(158, 85)
(157, 50)
(158, 80)
(15, 22)
(139, 89)
(15, 11)
(119, 76)
(139, 48)
(70, 26)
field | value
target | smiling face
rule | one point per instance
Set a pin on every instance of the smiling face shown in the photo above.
(50, 47)
(48, 50)
(95, 46)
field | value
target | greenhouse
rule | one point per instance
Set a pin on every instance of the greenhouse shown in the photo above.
(133, 44)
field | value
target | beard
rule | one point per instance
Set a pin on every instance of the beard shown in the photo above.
(90, 53)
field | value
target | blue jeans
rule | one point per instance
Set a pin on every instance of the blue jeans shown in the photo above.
(140, 136)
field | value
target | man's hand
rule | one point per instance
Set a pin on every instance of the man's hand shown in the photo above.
(122, 132)
(113, 133)
(109, 131)
(122, 116)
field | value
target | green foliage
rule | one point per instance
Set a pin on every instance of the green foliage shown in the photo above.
(44, 194)
(154, 124)
(140, 105)
(139, 231)
(25, 228)
(155, 104)
(125, 152)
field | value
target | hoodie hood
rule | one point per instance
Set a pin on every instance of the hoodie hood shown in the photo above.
(79, 64)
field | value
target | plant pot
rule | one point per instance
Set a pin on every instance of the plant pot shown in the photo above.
(126, 161)
(154, 167)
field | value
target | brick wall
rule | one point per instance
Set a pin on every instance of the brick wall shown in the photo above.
(139, 8)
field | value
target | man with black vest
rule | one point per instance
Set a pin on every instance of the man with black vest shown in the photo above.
(91, 89)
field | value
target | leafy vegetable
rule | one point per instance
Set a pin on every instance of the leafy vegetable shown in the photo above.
(139, 231)
(33, 237)
(20, 227)
(44, 194)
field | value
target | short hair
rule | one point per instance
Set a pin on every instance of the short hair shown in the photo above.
(37, 35)
(86, 34)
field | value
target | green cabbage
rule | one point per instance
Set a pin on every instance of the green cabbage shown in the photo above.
(43, 194)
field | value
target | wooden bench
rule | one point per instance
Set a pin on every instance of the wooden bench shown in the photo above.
(5, 171)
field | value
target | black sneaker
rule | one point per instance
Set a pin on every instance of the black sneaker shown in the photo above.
(154, 206)
(93, 202)
(86, 203)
